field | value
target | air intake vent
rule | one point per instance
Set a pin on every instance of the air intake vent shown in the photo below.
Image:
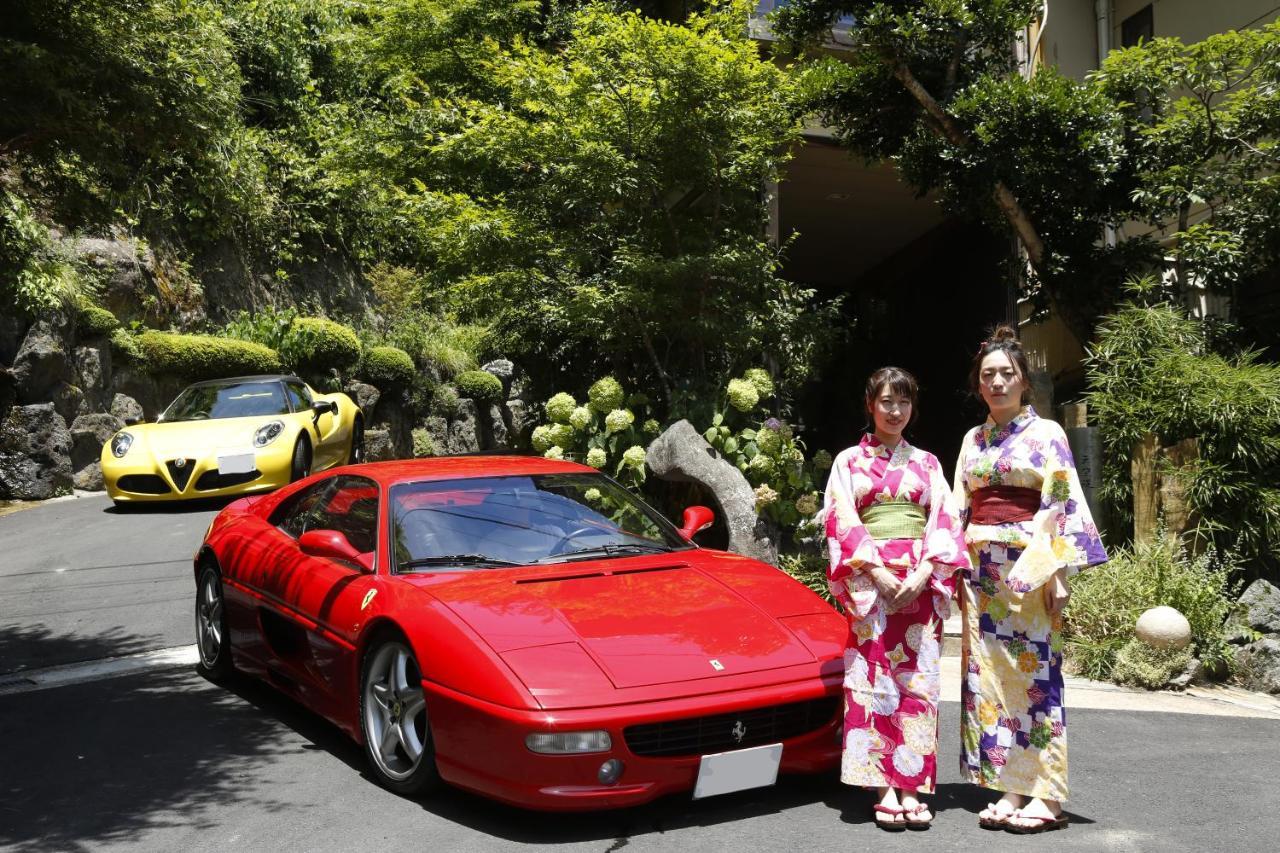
(751, 727)
(180, 470)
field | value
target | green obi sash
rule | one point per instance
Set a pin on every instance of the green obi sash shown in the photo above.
(894, 520)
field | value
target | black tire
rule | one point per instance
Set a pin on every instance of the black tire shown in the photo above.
(383, 708)
(300, 466)
(356, 454)
(213, 643)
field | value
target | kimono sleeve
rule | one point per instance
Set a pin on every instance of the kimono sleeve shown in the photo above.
(849, 547)
(1063, 533)
(944, 543)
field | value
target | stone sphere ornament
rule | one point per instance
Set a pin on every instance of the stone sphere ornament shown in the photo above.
(1164, 628)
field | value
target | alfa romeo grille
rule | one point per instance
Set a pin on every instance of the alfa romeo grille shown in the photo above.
(723, 732)
(180, 470)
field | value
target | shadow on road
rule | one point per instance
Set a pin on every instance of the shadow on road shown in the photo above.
(26, 646)
(169, 507)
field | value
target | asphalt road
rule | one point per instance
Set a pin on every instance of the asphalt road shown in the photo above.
(165, 760)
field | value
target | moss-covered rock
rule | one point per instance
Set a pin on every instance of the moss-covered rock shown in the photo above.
(196, 357)
(387, 367)
(95, 322)
(479, 386)
(317, 345)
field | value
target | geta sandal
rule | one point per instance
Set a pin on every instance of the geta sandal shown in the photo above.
(1047, 824)
(892, 811)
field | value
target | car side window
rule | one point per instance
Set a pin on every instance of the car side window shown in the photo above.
(298, 396)
(351, 508)
(293, 513)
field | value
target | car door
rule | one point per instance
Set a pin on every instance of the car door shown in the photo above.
(329, 439)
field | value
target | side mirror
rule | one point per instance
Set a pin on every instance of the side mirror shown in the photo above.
(333, 545)
(696, 519)
(323, 407)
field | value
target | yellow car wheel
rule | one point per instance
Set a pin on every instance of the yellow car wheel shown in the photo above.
(301, 465)
(356, 454)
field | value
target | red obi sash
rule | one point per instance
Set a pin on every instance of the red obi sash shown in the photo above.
(1003, 504)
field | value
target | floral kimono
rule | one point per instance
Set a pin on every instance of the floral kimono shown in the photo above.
(1012, 719)
(891, 509)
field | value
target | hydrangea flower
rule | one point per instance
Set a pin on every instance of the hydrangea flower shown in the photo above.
(541, 438)
(773, 423)
(606, 395)
(743, 396)
(561, 434)
(580, 418)
(769, 441)
(761, 465)
(554, 452)
(618, 420)
(822, 460)
(651, 427)
(760, 378)
(592, 495)
(560, 407)
(764, 496)
(596, 457)
(634, 456)
(807, 504)
(794, 454)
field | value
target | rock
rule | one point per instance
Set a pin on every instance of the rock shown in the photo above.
(69, 401)
(93, 371)
(438, 428)
(13, 330)
(1258, 666)
(7, 393)
(464, 430)
(378, 446)
(504, 370)
(521, 420)
(88, 434)
(1163, 628)
(365, 396)
(495, 429)
(680, 454)
(1194, 672)
(41, 364)
(391, 416)
(35, 453)
(126, 270)
(126, 409)
(1259, 607)
(153, 394)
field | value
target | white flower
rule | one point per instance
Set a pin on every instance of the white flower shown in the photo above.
(884, 696)
(907, 761)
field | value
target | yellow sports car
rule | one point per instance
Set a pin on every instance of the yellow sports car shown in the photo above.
(233, 436)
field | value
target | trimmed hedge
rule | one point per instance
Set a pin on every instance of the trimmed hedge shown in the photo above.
(124, 346)
(317, 345)
(196, 357)
(444, 401)
(479, 386)
(95, 322)
(387, 367)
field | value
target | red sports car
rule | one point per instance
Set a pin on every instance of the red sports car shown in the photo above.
(523, 628)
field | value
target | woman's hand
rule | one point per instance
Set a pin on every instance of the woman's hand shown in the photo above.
(1056, 592)
(912, 585)
(887, 583)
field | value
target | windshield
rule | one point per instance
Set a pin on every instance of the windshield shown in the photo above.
(237, 400)
(483, 522)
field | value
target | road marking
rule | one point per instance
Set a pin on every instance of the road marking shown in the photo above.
(29, 681)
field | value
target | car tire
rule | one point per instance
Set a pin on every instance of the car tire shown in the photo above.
(393, 719)
(213, 643)
(300, 465)
(356, 454)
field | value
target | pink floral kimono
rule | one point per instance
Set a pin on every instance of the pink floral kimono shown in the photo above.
(891, 509)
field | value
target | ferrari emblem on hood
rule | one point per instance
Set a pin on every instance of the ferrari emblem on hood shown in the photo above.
(716, 665)
(368, 597)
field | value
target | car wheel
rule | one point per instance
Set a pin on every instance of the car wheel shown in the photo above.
(393, 719)
(212, 641)
(301, 465)
(356, 455)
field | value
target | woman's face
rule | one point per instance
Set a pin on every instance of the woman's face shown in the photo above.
(891, 412)
(1000, 383)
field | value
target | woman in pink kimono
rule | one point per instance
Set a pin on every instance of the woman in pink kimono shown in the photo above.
(895, 542)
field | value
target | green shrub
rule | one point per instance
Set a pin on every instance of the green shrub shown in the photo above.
(444, 401)
(479, 386)
(387, 368)
(317, 345)
(267, 326)
(196, 357)
(1107, 600)
(810, 568)
(95, 322)
(1142, 666)
(423, 444)
(124, 346)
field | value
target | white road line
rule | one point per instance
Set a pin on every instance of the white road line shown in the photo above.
(32, 680)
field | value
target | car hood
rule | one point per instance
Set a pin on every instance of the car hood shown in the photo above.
(194, 439)
(646, 625)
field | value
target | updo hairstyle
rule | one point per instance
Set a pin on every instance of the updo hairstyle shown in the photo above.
(900, 382)
(1004, 339)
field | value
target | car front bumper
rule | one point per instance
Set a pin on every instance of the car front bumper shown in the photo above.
(146, 479)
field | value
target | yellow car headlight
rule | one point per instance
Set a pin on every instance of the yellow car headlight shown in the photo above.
(120, 444)
(268, 433)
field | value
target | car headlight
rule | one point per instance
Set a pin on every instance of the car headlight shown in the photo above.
(120, 444)
(268, 433)
(568, 743)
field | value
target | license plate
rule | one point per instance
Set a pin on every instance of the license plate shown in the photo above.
(235, 463)
(739, 770)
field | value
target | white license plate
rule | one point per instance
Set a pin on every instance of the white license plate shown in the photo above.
(235, 463)
(739, 770)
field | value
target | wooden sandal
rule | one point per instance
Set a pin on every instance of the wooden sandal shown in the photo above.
(916, 824)
(993, 822)
(889, 825)
(1047, 824)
